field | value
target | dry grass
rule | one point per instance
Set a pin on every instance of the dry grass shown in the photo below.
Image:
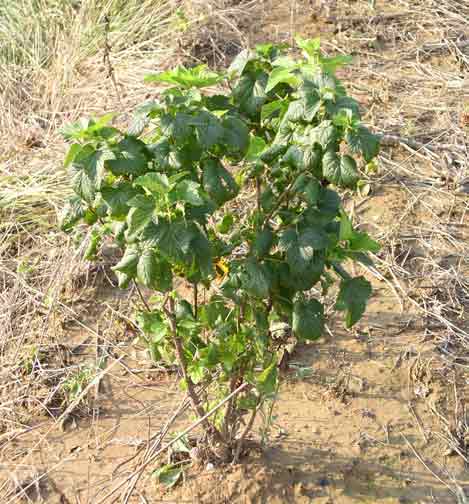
(56, 312)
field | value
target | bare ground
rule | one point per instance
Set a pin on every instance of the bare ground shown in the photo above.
(377, 414)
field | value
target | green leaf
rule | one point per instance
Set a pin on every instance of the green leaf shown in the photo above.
(363, 243)
(311, 239)
(156, 183)
(189, 192)
(168, 475)
(325, 134)
(202, 253)
(272, 153)
(153, 324)
(218, 182)
(128, 263)
(236, 135)
(281, 75)
(294, 157)
(341, 171)
(123, 280)
(138, 218)
(72, 213)
(353, 297)
(331, 64)
(262, 243)
(346, 227)
(176, 127)
(267, 381)
(255, 279)
(131, 157)
(87, 173)
(311, 47)
(275, 108)
(117, 196)
(91, 251)
(300, 247)
(71, 154)
(250, 93)
(308, 319)
(154, 272)
(239, 63)
(226, 223)
(209, 129)
(256, 146)
(361, 140)
(199, 77)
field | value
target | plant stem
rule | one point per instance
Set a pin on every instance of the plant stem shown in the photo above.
(196, 299)
(258, 193)
(194, 399)
(247, 428)
(281, 199)
(147, 307)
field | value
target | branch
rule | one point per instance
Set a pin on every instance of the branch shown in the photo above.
(197, 407)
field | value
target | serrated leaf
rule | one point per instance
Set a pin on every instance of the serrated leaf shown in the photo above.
(353, 297)
(255, 279)
(331, 64)
(294, 157)
(154, 272)
(137, 219)
(262, 243)
(177, 127)
(236, 135)
(281, 75)
(117, 197)
(72, 213)
(266, 382)
(239, 63)
(310, 239)
(272, 153)
(128, 263)
(190, 192)
(218, 182)
(276, 108)
(87, 173)
(361, 140)
(341, 171)
(325, 134)
(156, 183)
(311, 47)
(256, 147)
(71, 154)
(308, 319)
(363, 243)
(208, 128)
(199, 77)
(202, 252)
(300, 247)
(250, 93)
(126, 166)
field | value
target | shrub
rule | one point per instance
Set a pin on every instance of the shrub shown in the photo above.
(232, 194)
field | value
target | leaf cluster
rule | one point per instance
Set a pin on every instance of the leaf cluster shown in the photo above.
(171, 192)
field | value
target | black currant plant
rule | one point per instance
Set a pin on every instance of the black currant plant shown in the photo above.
(173, 192)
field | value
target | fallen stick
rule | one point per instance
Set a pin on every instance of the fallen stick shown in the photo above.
(357, 20)
(396, 141)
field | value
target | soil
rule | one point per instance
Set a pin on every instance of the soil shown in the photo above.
(372, 418)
